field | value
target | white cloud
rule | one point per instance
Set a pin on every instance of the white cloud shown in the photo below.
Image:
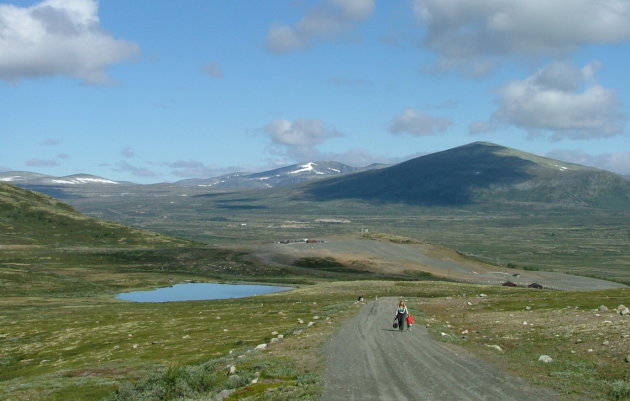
(301, 132)
(58, 37)
(560, 99)
(474, 33)
(298, 139)
(416, 122)
(615, 162)
(326, 21)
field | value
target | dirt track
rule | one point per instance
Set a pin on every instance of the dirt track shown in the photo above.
(368, 360)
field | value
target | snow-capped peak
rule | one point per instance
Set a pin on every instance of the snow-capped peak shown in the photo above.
(78, 180)
(310, 166)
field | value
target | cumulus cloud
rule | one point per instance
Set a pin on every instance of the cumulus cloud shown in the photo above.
(298, 139)
(615, 162)
(474, 33)
(58, 37)
(560, 99)
(326, 21)
(417, 122)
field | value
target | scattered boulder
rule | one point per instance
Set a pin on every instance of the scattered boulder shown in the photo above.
(509, 284)
(261, 347)
(545, 359)
(223, 395)
(482, 295)
(494, 346)
(232, 370)
(535, 285)
(623, 310)
(310, 324)
(628, 358)
(603, 308)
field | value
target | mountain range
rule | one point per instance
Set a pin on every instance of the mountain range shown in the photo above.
(479, 172)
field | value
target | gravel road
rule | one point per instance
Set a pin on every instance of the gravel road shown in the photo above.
(369, 360)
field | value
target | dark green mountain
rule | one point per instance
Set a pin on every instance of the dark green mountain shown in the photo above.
(31, 218)
(479, 173)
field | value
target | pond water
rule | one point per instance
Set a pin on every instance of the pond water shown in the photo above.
(199, 291)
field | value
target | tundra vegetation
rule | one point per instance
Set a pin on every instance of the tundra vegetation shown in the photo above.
(64, 336)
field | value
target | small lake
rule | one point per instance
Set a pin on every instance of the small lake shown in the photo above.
(199, 291)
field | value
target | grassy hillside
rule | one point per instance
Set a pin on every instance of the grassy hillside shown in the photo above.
(31, 218)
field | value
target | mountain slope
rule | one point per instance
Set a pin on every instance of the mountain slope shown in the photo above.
(476, 173)
(279, 177)
(31, 218)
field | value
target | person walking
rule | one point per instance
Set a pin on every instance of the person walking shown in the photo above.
(401, 315)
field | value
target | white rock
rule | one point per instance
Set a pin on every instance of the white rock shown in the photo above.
(274, 333)
(443, 334)
(545, 358)
(494, 346)
(280, 336)
(482, 295)
(465, 332)
(255, 381)
(261, 347)
(135, 346)
(468, 303)
(232, 370)
(310, 324)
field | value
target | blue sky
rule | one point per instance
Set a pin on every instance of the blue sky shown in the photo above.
(153, 90)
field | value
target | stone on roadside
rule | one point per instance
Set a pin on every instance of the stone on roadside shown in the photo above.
(603, 308)
(310, 324)
(623, 310)
(494, 346)
(545, 359)
(261, 347)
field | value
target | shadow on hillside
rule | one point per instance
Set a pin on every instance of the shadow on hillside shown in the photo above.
(449, 178)
(55, 192)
